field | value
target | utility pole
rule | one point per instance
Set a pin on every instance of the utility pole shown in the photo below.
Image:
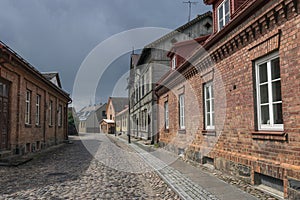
(190, 7)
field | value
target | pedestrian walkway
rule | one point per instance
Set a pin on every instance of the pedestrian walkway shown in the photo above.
(187, 181)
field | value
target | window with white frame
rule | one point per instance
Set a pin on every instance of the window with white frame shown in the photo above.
(50, 113)
(38, 110)
(268, 86)
(223, 14)
(173, 63)
(166, 115)
(28, 107)
(209, 106)
(59, 121)
(181, 112)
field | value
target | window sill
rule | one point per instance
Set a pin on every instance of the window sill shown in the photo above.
(28, 125)
(181, 131)
(38, 126)
(270, 135)
(209, 132)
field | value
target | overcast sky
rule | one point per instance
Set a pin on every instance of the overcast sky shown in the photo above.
(57, 35)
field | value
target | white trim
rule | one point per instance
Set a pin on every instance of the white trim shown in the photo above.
(181, 112)
(166, 115)
(38, 110)
(209, 86)
(271, 126)
(174, 62)
(50, 113)
(224, 14)
(28, 107)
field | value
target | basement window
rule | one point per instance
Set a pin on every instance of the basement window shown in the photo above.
(271, 185)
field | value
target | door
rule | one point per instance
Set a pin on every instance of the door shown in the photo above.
(4, 94)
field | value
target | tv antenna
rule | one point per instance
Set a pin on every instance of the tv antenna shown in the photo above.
(190, 7)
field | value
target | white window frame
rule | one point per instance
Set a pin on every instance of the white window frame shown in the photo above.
(59, 121)
(166, 106)
(181, 112)
(28, 107)
(50, 113)
(271, 126)
(38, 110)
(173, 62)
(209, 87)
(222, 5)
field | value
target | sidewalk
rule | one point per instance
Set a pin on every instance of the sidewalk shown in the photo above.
(187, 181)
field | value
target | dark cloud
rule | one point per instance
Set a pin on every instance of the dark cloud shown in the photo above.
(56, 35)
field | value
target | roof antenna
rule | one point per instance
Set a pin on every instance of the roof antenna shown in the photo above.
(190, 7)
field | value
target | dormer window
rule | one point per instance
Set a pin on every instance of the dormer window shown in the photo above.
(173, 64)
(223, 14)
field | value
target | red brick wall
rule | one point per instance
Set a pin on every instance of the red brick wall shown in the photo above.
(238, 142)
(19, 133)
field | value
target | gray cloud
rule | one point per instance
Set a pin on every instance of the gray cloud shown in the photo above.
(56, 35)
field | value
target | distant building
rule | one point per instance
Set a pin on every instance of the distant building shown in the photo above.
(146, 69)
(33, 107)
(114, 106)
(90, 117)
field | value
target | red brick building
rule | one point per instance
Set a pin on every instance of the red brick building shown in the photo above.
(33, 107)
(236, 102)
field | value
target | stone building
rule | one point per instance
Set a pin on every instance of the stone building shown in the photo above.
(146, 69)
(235, 102)
(33, 107)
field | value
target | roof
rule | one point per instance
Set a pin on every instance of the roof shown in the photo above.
(119, 103)
(134, 59)
(194, 42)
(180, 29)
(123, 111)
(99, 111)
(245, 11)
(53, 77)
(172, 33)
(85, 112)
(16, 59)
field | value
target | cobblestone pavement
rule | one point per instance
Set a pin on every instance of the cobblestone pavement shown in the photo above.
(71, 172)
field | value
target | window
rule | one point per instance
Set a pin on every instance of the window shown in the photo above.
(145, 119)
(223, 14)
(28, 104)
(143, 86)
(166, 115)
(38, 110)
(110, 117)
(147, 80)
(59, 121)
(173, 64)
(181, 112)
(50, 113)
(269, 102)
(209, 106)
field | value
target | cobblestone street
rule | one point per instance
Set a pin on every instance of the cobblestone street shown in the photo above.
(71, 172)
